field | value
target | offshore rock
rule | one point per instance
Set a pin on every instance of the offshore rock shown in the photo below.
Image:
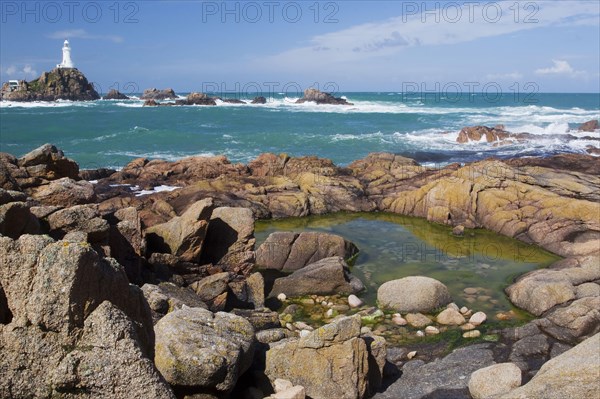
(314, 95)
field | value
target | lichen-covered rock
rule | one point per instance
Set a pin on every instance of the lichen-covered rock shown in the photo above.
(288, 252)
(494, 380)
(202, 351)
(183, 235)
(330, 362)
(413, 294)
(51, 289)
(117, 370)
(325, 277)
(573, 323)
(574, 374)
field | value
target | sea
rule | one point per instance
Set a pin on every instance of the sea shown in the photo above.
(111, 133)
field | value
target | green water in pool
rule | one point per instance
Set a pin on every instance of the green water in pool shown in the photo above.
(394, 246)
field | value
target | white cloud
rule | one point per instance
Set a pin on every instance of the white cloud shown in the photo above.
(376, 40)
(82, 34)
(560, 67)
(21, 72)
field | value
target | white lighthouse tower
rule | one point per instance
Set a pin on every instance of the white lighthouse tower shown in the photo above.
(66, 60)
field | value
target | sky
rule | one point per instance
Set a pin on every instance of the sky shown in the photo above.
(341, 46)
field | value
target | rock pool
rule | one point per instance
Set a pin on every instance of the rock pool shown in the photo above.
(476, 268)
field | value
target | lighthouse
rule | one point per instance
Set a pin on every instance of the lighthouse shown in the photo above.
(66, 59)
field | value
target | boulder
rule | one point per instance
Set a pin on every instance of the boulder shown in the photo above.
(108, 361)
(167, 297)
(573, 323)
(16, 219)
(494, 380)
(329, 362)
(261, 319)
(443, 378)
(65, 192)
(212, 290)
(316, 96)
(84, 218)
(52, 291)
(155, 94)
(127, 242)
(574, 374)
(325, 277)
(48, 163)
(413, 294)
(183, 235)
(203, 351)
(230, 240)
(589, 126)
(288, 252)
(115, 94)
(541, 290)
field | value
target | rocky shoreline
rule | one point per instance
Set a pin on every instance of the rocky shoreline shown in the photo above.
(143, 282)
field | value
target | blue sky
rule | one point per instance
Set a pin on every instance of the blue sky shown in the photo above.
(350, 45)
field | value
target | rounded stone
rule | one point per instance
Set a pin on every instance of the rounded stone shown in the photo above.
(354, 301)
(413, 294)
(478, 318)
(431, 330)
(494, 380)
(450, 317)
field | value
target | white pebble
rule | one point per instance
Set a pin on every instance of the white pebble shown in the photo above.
(420, 333)
(412, 354)
(464, 310)
(329, 313)
(354, 301)
(282, 297)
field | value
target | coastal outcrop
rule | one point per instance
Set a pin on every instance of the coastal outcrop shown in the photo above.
(58, 84)
(319, 97)
(70, 251)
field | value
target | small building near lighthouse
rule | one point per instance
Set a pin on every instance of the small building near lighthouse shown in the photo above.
(66, 58)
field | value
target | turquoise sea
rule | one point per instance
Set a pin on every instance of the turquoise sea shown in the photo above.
(111, 133)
